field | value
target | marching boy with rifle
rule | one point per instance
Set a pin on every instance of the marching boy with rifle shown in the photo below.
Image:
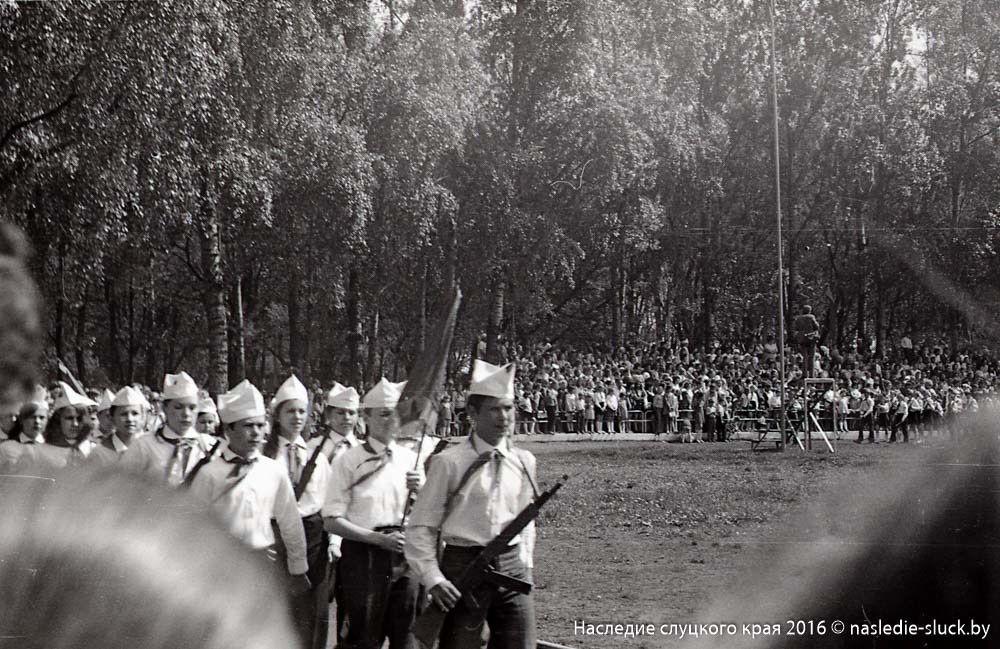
(474, 490)
(366, 505)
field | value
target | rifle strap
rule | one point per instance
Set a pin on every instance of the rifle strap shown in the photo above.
(205, 459)
(527, 474)
(307, 471)
(477, 464)
(482, 460)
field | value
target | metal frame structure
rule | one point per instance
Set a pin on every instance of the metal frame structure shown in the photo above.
(810, 417)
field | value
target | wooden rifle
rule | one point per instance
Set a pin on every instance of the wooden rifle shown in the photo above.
(428, 626)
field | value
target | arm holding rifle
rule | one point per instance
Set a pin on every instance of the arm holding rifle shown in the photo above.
(460, 604)
(422, 533)
(479, 497)
(421, 545)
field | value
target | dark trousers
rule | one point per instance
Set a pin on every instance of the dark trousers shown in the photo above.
(809, 356)
(553, 424)
(709, 429)
(509, 615)
(380, 597)
(898, 423)
(310, 610)
(867, 422)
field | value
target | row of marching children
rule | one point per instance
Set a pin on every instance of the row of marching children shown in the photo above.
(326, 508)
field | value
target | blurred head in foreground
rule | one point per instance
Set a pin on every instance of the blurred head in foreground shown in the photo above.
(106, 560)
(20, 323)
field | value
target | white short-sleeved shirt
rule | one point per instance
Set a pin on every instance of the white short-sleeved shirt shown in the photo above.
(314, 494)
(247, 504)
(477, 512)
(368, 486)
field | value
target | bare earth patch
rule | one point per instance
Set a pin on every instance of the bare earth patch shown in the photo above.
(651, 532)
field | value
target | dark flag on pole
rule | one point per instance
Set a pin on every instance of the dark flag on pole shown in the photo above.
(71, 379)
(419, 403)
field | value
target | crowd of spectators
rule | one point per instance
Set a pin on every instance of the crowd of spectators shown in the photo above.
(694, 396)
(700, 395)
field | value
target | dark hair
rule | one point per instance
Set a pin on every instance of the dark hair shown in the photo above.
(53, 428)
(476, 401)
(271, 444)
(28, 409)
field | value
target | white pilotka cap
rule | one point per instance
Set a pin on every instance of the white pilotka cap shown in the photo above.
(341, 397)
(385, 394)
(292, 388)
(106, 398)
(179, 386)
(129, 396)
(68, 397)
(207, 405)
(242, 402)
(491, 380)
(39, 397)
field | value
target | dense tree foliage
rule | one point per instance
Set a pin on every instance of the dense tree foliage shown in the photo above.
(245, 189)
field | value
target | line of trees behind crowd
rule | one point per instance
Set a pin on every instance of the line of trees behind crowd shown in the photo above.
(255, 187)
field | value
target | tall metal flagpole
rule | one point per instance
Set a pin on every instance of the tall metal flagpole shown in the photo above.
(777, 201)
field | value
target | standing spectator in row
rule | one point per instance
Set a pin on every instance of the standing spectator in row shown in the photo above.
(445, 417)
(671, 407)
(581, 409)
(551, 398)
(900, 411)
(570, 407)
(882, 415)
(842, 410)
(600, 406)
(612, 409)
(658, 411)
(697, 415)
(866, 412)
(623, 408)
(711, 409)
(526, 413)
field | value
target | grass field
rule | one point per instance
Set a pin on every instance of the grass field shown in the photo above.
(652, 532)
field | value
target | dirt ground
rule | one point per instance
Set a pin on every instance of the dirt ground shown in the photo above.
(648, 532)
(651, 532)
